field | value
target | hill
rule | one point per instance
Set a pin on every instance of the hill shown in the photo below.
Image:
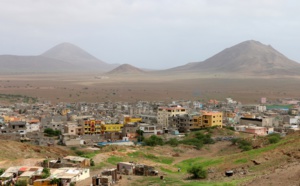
(16, 153)
(16, 64)
(125, 69)
(249, 57)
(76, 56)
(64, 57)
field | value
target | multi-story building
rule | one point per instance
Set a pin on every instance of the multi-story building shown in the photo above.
(211, 119)
(164, 113)
(93, 126)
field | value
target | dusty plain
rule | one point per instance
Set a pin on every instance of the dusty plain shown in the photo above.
(94, 87)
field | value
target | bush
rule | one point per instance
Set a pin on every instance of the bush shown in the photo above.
(46, 173)
(274, 138)
(21, 183)
(50, 132)
(92, 162)
(153, 141)
(193, 141)
(197, 171)
(242, 143)
(173, 142)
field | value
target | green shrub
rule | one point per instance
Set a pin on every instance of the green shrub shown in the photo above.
(173, 142)
(79, 152)
(274, 138)
(242, 143)
(21, 183)
(153, 141)
(50, 132)
(197, 171)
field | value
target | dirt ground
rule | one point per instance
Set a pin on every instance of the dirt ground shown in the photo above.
(287, 175)
(87, 87)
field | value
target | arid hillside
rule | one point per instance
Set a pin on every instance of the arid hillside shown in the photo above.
(17, 153)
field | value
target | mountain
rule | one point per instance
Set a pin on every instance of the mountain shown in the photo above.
(125, 69)
(64, 57)
(249, 57)
(13, 63)
(72, 54)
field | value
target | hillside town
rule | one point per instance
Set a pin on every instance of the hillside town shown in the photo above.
(120, 123)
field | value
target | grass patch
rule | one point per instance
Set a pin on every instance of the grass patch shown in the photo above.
(135, 154)
(114, 160)
(166, 170)
(159, 159)
(240, 161)
(185, 164)
(99, 166)
(90, 154)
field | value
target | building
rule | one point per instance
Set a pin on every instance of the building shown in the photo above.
(112, 127)
(261, 122)
(211, 119)
(164, 113)
(73, 129)
(93, 126)
(128, 119)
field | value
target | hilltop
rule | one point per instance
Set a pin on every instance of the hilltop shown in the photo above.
(247, 58)
(125, 69)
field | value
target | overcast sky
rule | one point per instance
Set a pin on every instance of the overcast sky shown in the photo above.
(148, 33)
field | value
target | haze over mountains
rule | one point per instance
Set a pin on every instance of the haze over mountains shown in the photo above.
(248, 58)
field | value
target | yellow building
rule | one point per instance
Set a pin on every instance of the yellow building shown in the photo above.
(92, 127)
(43, 182)
(128, 119)
(197, 122)
(211, 119)
(113, 127)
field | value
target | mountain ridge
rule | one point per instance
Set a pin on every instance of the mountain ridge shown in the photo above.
(248, 57)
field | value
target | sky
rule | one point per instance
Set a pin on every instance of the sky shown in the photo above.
(154, 34)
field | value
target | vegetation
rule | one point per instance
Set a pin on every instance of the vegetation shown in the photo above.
(50, 132)
(55, 181)
(197, 171)
(45, 173)
(197, 139)
(242, 143)
(2, 171)
(18, 98)
(153, 141)
(21, 183)
(274, 138)
(140, 137)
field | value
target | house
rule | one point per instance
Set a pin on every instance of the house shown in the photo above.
(82, 162)
(211, 119)
(256, 130)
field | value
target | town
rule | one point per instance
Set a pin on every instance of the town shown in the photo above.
(98, 125)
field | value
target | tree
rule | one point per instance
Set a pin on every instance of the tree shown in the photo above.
(56, 181)
(140, 137)
(197, 171)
